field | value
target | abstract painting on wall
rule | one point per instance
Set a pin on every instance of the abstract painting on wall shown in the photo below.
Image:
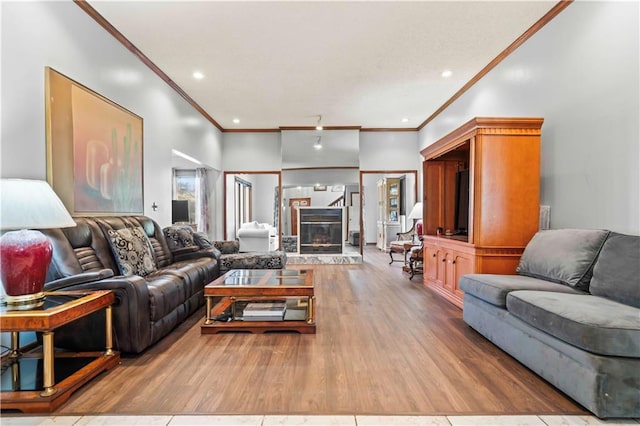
(94, 150)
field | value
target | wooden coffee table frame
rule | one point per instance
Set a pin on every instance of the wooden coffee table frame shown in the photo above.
(46, 321)
(230, 294)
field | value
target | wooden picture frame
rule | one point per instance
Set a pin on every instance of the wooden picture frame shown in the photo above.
(94, 150)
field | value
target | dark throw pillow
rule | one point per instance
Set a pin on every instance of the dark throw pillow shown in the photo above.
(132, 251)
(178, 237)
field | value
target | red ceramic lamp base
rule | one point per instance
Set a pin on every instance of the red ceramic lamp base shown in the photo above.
(24, 260)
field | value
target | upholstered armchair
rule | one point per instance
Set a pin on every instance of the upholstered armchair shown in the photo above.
(254, 236)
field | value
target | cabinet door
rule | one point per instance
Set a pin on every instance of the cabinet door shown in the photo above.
(448, 262)
(433, 200)
(462, 264)
(379, 236)
(430, 256)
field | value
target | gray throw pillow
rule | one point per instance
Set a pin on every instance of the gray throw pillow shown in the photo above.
(616, 274)
(564, 256)
(132, 250)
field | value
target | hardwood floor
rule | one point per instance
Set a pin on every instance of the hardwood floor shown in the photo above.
(384, 345)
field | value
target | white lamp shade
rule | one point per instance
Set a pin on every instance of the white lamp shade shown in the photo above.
(416, 211)
(31, 204)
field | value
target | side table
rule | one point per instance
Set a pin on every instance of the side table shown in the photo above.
(41, 381)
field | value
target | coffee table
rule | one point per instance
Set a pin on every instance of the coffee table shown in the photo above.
(40, 380)
(238, 286)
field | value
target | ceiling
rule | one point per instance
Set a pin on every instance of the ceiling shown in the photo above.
(275, 64)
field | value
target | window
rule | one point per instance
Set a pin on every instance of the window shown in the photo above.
(184, 188)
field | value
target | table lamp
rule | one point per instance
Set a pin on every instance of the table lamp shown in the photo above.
(25, 253)
(416, 213)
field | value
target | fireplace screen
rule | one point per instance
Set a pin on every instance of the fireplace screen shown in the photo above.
(320, 230)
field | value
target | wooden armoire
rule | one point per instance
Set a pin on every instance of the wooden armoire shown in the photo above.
(481, 198)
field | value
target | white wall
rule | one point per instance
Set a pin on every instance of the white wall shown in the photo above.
(389, 151)
(60, 35)
(264, 197)
(252, 151)
(327, 177)
(580, 73)
(339, 148)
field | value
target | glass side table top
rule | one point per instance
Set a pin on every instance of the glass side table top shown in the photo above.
(54, 302)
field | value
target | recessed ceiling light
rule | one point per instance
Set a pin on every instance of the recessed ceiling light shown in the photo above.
(405, 120)
(446, 73)
(236, 121)
(198, 75)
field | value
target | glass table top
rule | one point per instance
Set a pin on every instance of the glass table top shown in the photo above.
(260, 277)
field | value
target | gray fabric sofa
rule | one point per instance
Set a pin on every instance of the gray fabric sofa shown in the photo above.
(571, 314)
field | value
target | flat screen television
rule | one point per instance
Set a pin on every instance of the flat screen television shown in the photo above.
(461, 220)
(180, 211)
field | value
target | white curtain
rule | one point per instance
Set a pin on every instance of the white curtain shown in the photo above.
(202, 200)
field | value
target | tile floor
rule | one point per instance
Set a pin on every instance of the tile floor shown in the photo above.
(345, 420)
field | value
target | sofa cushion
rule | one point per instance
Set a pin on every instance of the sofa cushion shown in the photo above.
(592, 323)
(564, 256)
(167, 292)
(616, 274)
(132, 251)
(494, 288)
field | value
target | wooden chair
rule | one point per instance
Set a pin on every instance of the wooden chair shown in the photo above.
(416, 261)
(402, 244)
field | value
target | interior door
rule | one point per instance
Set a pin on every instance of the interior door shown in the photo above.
(294, 203)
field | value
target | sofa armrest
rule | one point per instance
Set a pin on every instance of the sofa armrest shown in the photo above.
(86, 277)
(131, 325)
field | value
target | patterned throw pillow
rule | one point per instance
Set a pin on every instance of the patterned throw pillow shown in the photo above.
(132, 251)
(227, 246)
(178, 237)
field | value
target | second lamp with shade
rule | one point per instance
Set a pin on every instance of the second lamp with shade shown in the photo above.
(416, 217)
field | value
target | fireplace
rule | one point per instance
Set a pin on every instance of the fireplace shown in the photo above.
(320, 230)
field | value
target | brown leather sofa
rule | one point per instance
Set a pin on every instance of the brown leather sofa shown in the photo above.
(149, 304)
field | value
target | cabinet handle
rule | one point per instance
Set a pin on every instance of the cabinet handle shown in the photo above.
(453, 262)
(444, 260)
(434, 255)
